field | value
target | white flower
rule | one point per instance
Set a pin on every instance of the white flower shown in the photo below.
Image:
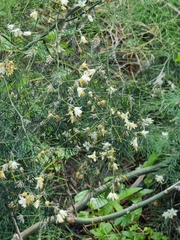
(36, 204)
(82, 3)
(20, 217)
(13, 165)
(87, 145)
(147, 121)
(165, 134)
(144, 133)
(159, 179)
(90, 18)
(130, 125)
(10, 27)
(63, 213)
(170, 213)
(134, 143)
(80, 91)
(83, 40)
(40, 181)
(64, 2)
(22, 201)
(27, 33)
(111, 90)
(77, 111)
(34, 15)
(124, 115)
(61, 216)
(90, 72)
(17, 32)
(112, 196)
(115, 166)
(93, 156)
(84, 79)
(106, 145)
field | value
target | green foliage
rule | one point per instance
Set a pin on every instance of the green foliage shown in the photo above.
(83, 102)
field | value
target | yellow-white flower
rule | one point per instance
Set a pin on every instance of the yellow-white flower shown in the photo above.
(81, 3)
(40, 183)
(134, 143)
(130, 125)
(144, 133)
(80, 91)
(13, 165)
(2, 68)
(34, 15)
(10, 27)
(85, 79)
(22, 201)
(64, 2)
(159, 179)
(112, 196)
(170, 213)
(147, 121)
(115, 166)
(77, 111)
(17, 32)
(111, 90)
(61, 216)
(93, 156)
(27, 33)
(90, 18)
(124, 115)
(2, 175)
(83, 40)
(36, 204)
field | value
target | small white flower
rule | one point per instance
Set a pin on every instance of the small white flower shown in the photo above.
(159, 179)
(63, 213)
(64, 2)
(40, 183)
(93, 156)
(83, 40)
(134, 143)
(13, 165)
(144, 133)
(170, 213)
(22, 201)
(20, 217)
(36, 204)
(82, 3)
(61, 216)
(111, 90)
(17, 32)
(84, 79)
(147, 121)
(130, 125)
(112, 196)
(10, 27)
(106, 145)
(90, 18)
(124, 115)
(77, 111)
(87, 145)
(115, 166)
(80, 91)
(165, 134)
(34, 15)
(27, 33)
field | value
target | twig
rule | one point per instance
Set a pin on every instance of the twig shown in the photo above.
(16, 227)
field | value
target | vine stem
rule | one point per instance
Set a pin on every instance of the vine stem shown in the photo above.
(93, 193)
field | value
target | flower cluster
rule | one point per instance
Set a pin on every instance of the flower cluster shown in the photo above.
(7, 67)
(170, 213)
